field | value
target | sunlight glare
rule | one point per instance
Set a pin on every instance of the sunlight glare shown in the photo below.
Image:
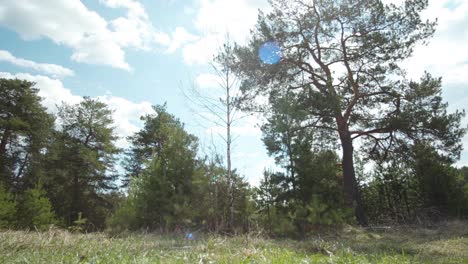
(270, 52)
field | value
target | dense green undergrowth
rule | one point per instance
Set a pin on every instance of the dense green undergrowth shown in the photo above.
(447, 243)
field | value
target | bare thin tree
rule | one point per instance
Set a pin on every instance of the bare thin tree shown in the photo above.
(220, 108)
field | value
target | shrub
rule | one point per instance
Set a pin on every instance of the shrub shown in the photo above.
(35, 209)
(79, 224)
(124, 217)
(7, 208)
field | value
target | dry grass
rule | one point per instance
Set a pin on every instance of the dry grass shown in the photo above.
(447, 243)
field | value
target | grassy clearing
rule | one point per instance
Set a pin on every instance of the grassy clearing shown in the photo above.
(447, 243)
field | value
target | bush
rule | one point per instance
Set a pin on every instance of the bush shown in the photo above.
(35, 209)
(124, 218)
(7, 208)
(320, 213)
(79, 224)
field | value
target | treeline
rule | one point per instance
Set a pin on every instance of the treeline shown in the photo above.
(417, 185)
(171, 189)
(61, 169)
(55, 168)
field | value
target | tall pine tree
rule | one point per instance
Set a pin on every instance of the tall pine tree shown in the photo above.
(343, 56)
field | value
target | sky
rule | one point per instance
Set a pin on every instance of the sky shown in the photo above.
(132, 54)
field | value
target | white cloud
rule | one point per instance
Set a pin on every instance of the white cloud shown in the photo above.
(208, 80)
(97, 41)
(203, 50)
(226, 16)
(67, 23)
(134, 30)
(135, 9)
(53, 70)
(126, 113)
(162, 38)
(70, 23)
(126, 116)
(246, 155)
(445, 55)
(249, 126)
(252, 167)
(188, 10)
(217, 18)
(180, 36)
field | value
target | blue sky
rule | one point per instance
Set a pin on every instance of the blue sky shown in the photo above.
(132, 54)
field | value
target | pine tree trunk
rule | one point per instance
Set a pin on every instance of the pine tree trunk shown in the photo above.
(6, 135)
(351, 190)
(75, 207)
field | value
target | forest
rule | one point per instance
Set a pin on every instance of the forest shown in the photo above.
(356, 143)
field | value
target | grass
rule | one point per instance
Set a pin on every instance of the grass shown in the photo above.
(448, 243)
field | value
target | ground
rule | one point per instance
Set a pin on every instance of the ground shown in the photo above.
(446, 243)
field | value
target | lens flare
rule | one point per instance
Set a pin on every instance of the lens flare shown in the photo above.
(270, 52)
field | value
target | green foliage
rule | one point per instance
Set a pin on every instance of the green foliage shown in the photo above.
(80, 163)
(7, 208)
(79, 225)
(391, 194)
(441, 186)
(211, 193)
(24, 129)
(125, 217)
(150, 140)
(313, 199)
(170, 189)
(321, 213)
(368, 99)
(309, 191)
(423, 186)
(161, 192)
(35, 209)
